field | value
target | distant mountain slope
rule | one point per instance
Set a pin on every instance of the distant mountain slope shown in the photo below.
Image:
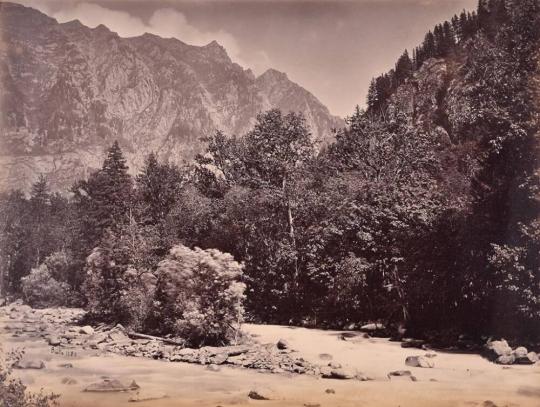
(69, 91)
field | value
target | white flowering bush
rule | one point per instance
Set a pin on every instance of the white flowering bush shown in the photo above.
(200, 295)
(40, 288)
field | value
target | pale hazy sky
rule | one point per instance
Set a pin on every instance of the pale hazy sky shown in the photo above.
(332, 48)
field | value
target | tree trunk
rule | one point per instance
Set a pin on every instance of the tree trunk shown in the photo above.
(290, 220)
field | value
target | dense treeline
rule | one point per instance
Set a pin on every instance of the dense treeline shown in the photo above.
(445, 40)
(369, 229)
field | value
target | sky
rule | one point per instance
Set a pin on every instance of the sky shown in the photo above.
(330, 47)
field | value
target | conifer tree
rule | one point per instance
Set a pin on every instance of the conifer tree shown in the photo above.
(404, 68)
(103, 201)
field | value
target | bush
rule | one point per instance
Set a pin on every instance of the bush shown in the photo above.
(115, 292)
(13, 392)
(41, 289)
(199, 295)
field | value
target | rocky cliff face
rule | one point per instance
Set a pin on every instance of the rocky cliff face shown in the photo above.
(69, 91)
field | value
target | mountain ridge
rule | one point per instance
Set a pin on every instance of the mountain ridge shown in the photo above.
(70, 90)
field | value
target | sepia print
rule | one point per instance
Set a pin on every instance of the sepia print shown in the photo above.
(308, 203)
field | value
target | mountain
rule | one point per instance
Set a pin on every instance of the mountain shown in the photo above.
(69, 91)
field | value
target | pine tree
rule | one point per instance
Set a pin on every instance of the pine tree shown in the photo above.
(404, 68)
(40, 219)
(104, 201)
(372, 96)
(429, 50)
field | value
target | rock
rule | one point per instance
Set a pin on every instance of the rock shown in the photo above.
(236, 350)
(529, 359)
(117, 335)
(283, 344)
(401, 373)
(262, 393)
(69, 336)
(30, 328)
(213, 368)
(29, 364)
(219, 359)
(326, 371)
(506, 359)
(520, 352)
(419, 361)
(66, 365)
(186, 351)
(334, 365)
(54, 340)
(110, 385)
(343, 374)
(147, 396)
(330, 391)
(495, 349)
(372, 327)
(412, 343)
(354, 336)
(87, 330)
(312, 405)
(325, 356)
(489, 403)
(69, 381)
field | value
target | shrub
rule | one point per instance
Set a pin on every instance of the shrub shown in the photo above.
(117, 293)
(199, 295)
(13, 392)
(41, 289)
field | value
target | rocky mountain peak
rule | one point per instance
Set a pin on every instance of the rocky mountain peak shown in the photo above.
(273, 75)
(71, 90)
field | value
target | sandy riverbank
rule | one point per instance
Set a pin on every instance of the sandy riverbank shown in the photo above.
(456, 380)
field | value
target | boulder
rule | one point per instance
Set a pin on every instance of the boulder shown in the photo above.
(262, 393)
(520, 352)
(495, 349)
(87, 330)
(283, 344)
(66, 365)
(330, 391)
(412, 343)
(146, 396)
(219, 359)
(69, 381)
(213, 368)
(372, 327)
(186, 352)
(401, 373)
(326, 371)
(54, 340)
(335, 365)
(506, 359)
(110, 386)
(419, 361)
(529, 359)
(236, 350)
(343, 373)
(29, 364)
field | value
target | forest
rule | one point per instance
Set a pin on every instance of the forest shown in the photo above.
(387, 224)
